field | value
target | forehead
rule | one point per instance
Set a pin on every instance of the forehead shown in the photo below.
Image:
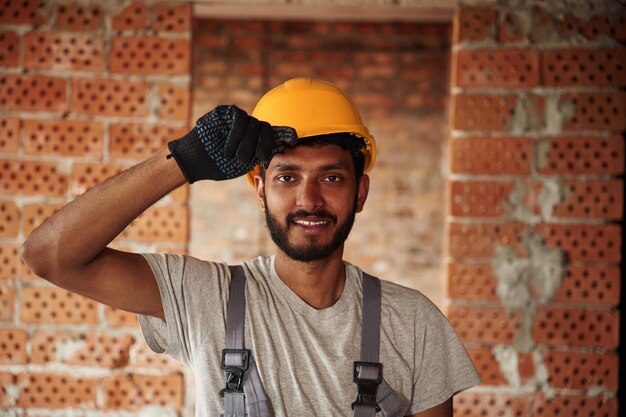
(311, 157)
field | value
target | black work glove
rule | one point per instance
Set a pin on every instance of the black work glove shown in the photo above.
(227, 143)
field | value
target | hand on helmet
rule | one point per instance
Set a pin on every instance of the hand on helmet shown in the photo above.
(227, 143)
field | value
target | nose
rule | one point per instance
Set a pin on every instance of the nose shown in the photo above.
(310, 197)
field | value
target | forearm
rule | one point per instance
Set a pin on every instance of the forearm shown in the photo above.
(77, 233)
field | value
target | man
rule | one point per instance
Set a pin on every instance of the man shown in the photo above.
(306, 151)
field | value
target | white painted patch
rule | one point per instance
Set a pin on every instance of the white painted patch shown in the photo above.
(67, 348)
(509, 364)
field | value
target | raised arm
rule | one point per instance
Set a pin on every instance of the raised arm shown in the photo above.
(70, 249)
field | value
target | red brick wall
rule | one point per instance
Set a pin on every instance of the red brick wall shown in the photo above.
(535, 195)
(397, 74)
(535, 200)
(84, 92)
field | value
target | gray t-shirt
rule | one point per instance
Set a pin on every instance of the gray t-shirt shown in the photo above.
(304, 355)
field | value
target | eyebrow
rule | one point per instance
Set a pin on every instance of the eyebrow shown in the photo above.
(328, 167)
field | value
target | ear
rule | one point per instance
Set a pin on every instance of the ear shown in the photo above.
(260, 190)
(362, 190)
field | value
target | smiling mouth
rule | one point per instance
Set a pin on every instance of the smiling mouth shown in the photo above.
(311, 223)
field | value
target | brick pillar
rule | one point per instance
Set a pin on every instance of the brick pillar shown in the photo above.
(535, 204)
(85, 91)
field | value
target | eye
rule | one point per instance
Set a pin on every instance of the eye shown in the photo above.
(332, 178)
(285, 178)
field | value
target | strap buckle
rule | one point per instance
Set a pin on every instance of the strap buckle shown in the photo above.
(234, 363)
(368, 376)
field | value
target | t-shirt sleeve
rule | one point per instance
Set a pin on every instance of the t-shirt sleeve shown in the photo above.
(190, 290)
(443, 367)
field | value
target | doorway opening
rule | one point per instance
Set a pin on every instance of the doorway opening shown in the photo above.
(397, 73)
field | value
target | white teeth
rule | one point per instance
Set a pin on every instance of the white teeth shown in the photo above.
(308, 223)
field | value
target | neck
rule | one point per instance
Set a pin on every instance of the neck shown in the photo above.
(319, 283)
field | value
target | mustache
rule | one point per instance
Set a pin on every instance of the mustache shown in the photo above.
(303, 214)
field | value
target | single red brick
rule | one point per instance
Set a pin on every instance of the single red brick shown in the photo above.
(13, 346)
(593, 27)
(586, 243)
(175, 102)
(50, 347)
(474, 24)
(248, 69)
(597, 199)
(584, 67)
(506, 68)
(594, 111)
(483, 111)
(139, 141)
(574, 327)
(581, 155)
(110, 97)
(9, 219)
(485, 325)
(132, 392)
(480, 240)
(209, 40)
(33, 93)
(472, 282)
(574, 405)
(172, 18)
(133, 16)
(479, 198)
(63, 51)
(9, 48)
(7, 305)
(582, 370)
(586, 285)
(9, 134)
(9, 263)
(31, 178)
(63, 137)
(490, 404)
(55, 305)
(23, 12)
(79, 17)
(150, 55)
(48, 390)
(476, 155)
(488, 366)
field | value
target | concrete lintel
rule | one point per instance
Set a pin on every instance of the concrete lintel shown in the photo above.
(360, 13)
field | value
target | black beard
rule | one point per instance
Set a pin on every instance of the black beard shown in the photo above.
(311, 251)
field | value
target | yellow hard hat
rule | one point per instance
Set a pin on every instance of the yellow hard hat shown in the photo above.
(313, 107)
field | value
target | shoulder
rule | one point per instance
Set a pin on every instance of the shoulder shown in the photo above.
(402, 302)
(261, 265)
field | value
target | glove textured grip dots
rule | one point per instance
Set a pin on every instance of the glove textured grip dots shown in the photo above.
(227, 143)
